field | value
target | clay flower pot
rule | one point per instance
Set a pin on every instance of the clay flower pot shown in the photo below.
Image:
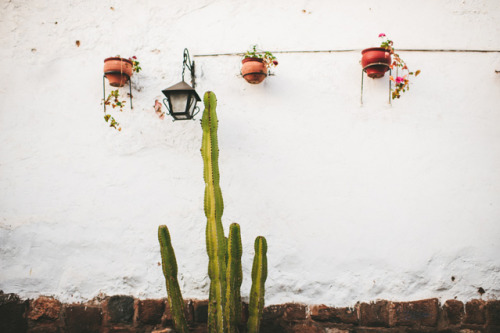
(254, 70)
(120, 67)
(375, 55)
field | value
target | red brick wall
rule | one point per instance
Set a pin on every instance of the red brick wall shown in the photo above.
(125, 314)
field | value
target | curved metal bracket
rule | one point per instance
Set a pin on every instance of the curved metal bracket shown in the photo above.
(104, 86)
(254, 73)
(362, 77)
(197, 109)
(190, 65)
(376, 64)
(168, 109)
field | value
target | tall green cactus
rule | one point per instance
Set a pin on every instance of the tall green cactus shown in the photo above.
(224, 254)
(169, 265)
(214, 206)
(259, 276)
(234, 278)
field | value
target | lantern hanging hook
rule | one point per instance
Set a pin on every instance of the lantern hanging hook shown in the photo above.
(190, 65)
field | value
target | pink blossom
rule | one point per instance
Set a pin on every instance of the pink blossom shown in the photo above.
(275, 62)
(381, 35)
(399, 79)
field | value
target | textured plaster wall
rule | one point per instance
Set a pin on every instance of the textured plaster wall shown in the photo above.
(357, 202)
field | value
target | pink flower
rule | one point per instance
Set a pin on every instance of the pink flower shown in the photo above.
(275, 62)
(399, 80)
(381, 35)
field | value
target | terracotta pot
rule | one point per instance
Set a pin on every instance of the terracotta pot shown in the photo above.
(376, 55)
(254, 70)
(120, 66)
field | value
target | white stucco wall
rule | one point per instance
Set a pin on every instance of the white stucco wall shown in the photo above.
(357, 202)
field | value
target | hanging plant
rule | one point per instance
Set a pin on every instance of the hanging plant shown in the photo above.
(256, 64)
(118, 70)
(402, 80)
(377, 60)
(114, 101)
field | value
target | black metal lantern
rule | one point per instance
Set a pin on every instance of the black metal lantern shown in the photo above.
(181, 98)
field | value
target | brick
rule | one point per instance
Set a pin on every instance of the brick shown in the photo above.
(120, 309)
(333, 315)
(273, 312)
(271, 319)
(199, 329)
(189, 311)
(475, 312)
(335, 330)
(44, 328)
(200, 311)
(166, 319)
(272, 327)
(12, 314)
(120, 329)
(80, 318)
(44, 308)
(377, 330)
(454, 311)
(374, 314)
(493, 313)
(306, 328)
(150, 311)
(417, 313)
(294, 312)
(244, 313)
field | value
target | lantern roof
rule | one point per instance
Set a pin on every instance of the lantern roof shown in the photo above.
(181, 87)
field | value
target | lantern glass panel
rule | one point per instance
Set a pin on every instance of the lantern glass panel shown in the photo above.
(178, 102)
(191, 105)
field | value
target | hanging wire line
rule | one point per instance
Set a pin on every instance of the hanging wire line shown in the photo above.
(353, 50)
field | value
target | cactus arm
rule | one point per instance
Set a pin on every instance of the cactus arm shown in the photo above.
(169, 266)
(214, 207)
(259, 276)
(234, 278)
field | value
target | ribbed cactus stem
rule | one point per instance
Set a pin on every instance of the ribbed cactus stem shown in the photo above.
(216, 247)
(259, 275)
(169, 265)
(234, 277)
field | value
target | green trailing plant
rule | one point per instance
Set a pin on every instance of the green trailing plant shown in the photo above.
(224, 267)
(267, 57)
(135, 64)
(401, 81)
(113, 99)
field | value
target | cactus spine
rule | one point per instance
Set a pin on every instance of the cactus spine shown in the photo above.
(259, 276)
(234, 278)
(169, 265)
(214, 206)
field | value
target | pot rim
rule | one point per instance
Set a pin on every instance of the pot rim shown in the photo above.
(119, 59)
(252, 59)
(375, 49)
